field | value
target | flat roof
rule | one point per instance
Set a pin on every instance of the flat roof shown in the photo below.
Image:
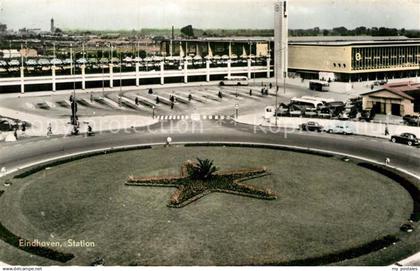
(314, 40)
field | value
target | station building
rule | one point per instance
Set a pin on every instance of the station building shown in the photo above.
(344, 58)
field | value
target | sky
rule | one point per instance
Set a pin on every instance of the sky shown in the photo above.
(137, 14)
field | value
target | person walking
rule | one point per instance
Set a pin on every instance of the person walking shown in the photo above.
(49, 130)
(250, 92)
(23, 128)
(386, 130)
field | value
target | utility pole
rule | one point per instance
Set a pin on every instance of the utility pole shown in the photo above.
(119, 96)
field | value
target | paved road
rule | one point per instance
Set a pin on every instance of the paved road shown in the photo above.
(17, 154)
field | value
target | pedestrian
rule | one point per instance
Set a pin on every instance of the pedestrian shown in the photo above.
(266, 91)
(71, 98)
(15, 133)
(136, 101)
(189, 97)
(250, 92)
(150, 91)
(91, 97)
(23, 128)
(386, 130)
(271, 85)
(49, 130)
(157, 100)
(387, 161)
(220, 94)
(172, 105)
(262, 91)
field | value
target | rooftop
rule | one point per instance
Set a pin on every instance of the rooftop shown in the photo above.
(314, 40)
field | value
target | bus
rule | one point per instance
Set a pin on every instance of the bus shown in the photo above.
(234, 81)
(303, 103)
(324, 100)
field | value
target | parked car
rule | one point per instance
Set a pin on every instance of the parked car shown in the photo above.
(324, 113)
(311, 126)
(340, 128)
(366, 115)
(405, 138)
(282, 110)
(6, 125)
(310, 112)
(411, 120)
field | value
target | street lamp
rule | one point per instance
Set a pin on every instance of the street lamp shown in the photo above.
(119, 97)
(277, 83)
(153, 112)
(236, 111)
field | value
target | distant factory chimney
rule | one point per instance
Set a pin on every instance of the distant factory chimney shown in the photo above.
(52, 28)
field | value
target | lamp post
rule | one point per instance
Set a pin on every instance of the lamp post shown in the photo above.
(236, 110)
(277, 84)
(119, 96)
(153, 112)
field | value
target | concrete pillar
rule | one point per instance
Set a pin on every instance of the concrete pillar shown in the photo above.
(185, 71)
(210, 52)
(111, 76)
(162, 73)
(137, 74)
(208, 70)
(22, 80)
(249, 68)
(181, 50)
(228, 67)
(230, 49)
(268, 68)
(54, 87)
(83, 67)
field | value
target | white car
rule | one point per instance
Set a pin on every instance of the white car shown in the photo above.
(340, 128)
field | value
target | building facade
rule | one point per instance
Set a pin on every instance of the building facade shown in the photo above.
(388, 101)
(336, 58)
(355, 58)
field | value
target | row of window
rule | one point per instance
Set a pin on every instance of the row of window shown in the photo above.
(339, 65)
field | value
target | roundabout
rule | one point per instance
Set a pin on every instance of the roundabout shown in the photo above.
(328, 209)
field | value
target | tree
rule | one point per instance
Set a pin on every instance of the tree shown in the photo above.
(341, 31)
(201, 170)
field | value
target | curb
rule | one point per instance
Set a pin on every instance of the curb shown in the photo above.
(297, 129)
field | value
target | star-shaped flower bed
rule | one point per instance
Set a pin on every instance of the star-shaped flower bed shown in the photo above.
(192, 187)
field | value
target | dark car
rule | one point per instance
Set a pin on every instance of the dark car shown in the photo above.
(411, 120)
(6, 125)
(405, 138)
(366, 115)
(311, 126)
